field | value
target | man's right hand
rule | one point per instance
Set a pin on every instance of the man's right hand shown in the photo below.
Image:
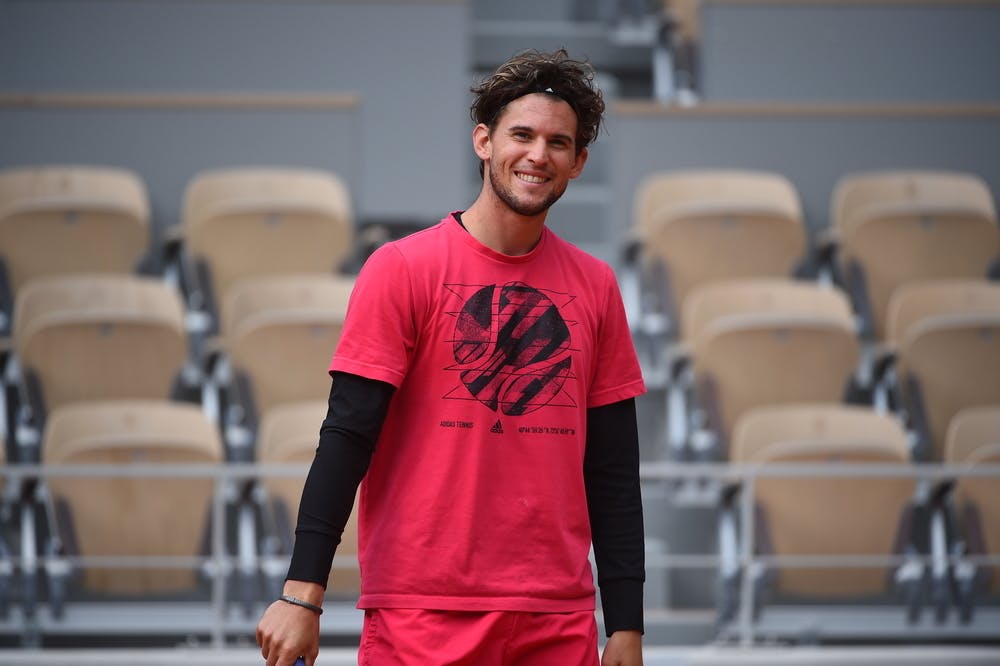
(286, 631)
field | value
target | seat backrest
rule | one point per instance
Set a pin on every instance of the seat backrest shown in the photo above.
(855, 192)
(947, 336)
(728, 189)
(760, 295)
(816, 515)
(904, 226)
(713, 225)
(93, 337)
(776, 343)
(288, 434)
(685, 15)
(914, 301)
(974, 439)
(250, 222)
(139, 517)
(282, 331)
(71, 219)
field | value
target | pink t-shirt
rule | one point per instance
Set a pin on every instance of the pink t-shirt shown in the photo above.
(475, 499)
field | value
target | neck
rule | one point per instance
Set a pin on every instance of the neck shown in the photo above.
(502, 230)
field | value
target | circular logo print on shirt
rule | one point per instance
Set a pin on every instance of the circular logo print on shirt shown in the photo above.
(512, 347)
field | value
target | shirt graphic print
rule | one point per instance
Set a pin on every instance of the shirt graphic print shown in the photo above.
(512, 347)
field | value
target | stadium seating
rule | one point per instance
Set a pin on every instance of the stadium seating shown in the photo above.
(94, 337)
(946, 336)
(684, 18)
(762, 366)
(132, 516)
(70, 219)
(812, 516)
(695, 227)
(898, 226)
(279, 334)
(249, 222)
(761, 342)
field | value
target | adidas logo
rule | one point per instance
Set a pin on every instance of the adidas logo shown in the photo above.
(497, 428)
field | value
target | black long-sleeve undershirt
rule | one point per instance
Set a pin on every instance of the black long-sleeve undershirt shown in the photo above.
(614, 500)
(357, 409)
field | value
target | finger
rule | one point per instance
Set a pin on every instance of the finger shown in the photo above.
(263, 643)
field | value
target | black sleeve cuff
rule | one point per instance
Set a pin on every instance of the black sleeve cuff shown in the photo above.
(312, 558)
(621, 601)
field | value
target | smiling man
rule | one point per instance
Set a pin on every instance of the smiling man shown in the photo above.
(483, 398)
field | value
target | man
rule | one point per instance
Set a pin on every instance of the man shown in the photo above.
(483, 395)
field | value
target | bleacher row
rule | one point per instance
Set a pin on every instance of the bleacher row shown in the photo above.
(877, 344)
(218, 358)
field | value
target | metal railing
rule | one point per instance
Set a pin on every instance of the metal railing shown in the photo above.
(220, 562)
(746, 476)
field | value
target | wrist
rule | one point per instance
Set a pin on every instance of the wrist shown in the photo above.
(295, 601)
(311, 593)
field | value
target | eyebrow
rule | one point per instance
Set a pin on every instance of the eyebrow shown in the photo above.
(532, 130)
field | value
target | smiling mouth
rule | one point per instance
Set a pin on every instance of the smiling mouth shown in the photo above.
(528, 178)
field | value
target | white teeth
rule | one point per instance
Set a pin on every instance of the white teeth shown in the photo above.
(530, 179)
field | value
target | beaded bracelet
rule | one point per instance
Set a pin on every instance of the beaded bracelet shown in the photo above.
(295, 601)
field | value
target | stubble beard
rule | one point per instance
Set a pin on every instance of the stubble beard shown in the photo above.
(519, 206)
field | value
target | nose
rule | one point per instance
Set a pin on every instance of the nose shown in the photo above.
(538, 152)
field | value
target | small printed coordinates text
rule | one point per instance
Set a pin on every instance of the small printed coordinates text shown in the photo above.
(546, 430)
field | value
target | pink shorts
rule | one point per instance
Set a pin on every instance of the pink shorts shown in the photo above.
(405, 637)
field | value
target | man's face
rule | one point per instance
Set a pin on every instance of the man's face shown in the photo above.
(531, 154)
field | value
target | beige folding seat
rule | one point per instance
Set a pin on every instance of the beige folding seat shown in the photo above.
(134, 517)
(911, 302)
(280, 333)
(946, 336)
(289, 434)
(895, 227)
(974, 439)
(702, 226)
(686, 15)
(685, 36)
(251, 222)
(833, 515)
(71, 219)
(766, 342)
(94, 337)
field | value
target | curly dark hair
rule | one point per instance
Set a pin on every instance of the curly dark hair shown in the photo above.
(553, 73)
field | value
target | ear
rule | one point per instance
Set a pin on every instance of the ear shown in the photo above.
(581, 160)
(481, 141)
